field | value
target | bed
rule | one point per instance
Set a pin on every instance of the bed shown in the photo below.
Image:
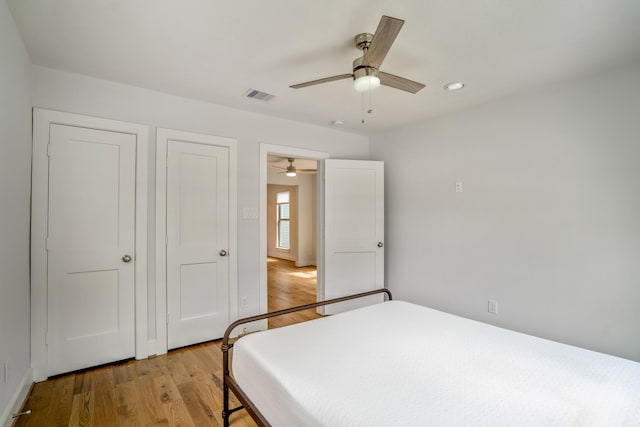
(400, 364)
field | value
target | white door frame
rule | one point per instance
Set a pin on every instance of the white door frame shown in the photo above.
(286, 151)
(159, 346)
(42, 121)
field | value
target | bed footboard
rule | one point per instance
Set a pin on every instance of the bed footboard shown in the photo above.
(229, 382)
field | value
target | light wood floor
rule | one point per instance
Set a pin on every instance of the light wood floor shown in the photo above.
(181, 388)
(288, 287)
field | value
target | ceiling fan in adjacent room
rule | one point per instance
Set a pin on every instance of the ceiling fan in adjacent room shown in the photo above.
(366, 69)
(291, 170)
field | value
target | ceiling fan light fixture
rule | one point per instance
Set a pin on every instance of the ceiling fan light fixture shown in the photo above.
(291, 170)
(366, 83)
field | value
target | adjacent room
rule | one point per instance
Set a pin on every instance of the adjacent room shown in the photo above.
(291, 234)
(462, 176)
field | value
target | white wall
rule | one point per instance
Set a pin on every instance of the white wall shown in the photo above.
(58, 90)
(15, 184)
(307, 195)
(548, 222)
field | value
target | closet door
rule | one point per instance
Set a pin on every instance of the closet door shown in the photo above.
(197, 242)
(90, 247)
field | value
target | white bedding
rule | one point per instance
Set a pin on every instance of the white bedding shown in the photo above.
(399, 364)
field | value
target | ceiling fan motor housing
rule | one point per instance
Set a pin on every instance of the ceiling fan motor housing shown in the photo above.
(363, 41)
(360, 69)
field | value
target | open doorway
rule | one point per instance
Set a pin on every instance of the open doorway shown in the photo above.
(291, 208)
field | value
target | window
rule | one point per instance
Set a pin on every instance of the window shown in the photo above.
(283, 218)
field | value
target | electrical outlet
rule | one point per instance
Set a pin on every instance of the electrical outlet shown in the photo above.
(493, 306)
(244, 302)
(458, 187)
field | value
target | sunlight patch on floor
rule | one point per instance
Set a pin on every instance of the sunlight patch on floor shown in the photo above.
(304, 275)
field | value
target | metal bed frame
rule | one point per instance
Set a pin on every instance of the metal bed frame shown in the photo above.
(229, 382)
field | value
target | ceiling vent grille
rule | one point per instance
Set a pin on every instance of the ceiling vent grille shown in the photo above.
(258, 95)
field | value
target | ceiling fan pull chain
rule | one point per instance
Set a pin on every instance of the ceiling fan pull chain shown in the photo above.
(370, 110)
(362, 107)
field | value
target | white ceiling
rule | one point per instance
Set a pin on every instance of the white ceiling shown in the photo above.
(215, 50)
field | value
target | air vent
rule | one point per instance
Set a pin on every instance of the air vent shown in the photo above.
(260, 96)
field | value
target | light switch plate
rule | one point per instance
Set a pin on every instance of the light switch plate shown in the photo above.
(493, 306)
(250, 213)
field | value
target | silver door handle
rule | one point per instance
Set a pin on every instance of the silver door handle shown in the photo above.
(380, 244)
(223, 253)
(126, 258)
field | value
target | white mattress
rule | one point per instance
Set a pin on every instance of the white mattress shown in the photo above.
(399, 364)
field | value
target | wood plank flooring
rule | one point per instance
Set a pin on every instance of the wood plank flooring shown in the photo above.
(289, 287)
(181, 388)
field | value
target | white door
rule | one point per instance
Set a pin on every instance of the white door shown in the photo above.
(90, 243)
(354, 230)
(197, 242)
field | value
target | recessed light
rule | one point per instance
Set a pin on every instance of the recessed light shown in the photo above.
(454, 86)
(337, 122)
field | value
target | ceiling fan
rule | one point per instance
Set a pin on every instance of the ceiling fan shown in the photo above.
(292, 170)
(366, 75)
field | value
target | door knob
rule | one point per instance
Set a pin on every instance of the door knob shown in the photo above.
(380, 244)
(126, 258)
(223, 253)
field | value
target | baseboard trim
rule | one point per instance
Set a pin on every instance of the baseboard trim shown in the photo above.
(156, 348)
(306, 262)
(18, 399)
(153, 351)
(282, 255)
